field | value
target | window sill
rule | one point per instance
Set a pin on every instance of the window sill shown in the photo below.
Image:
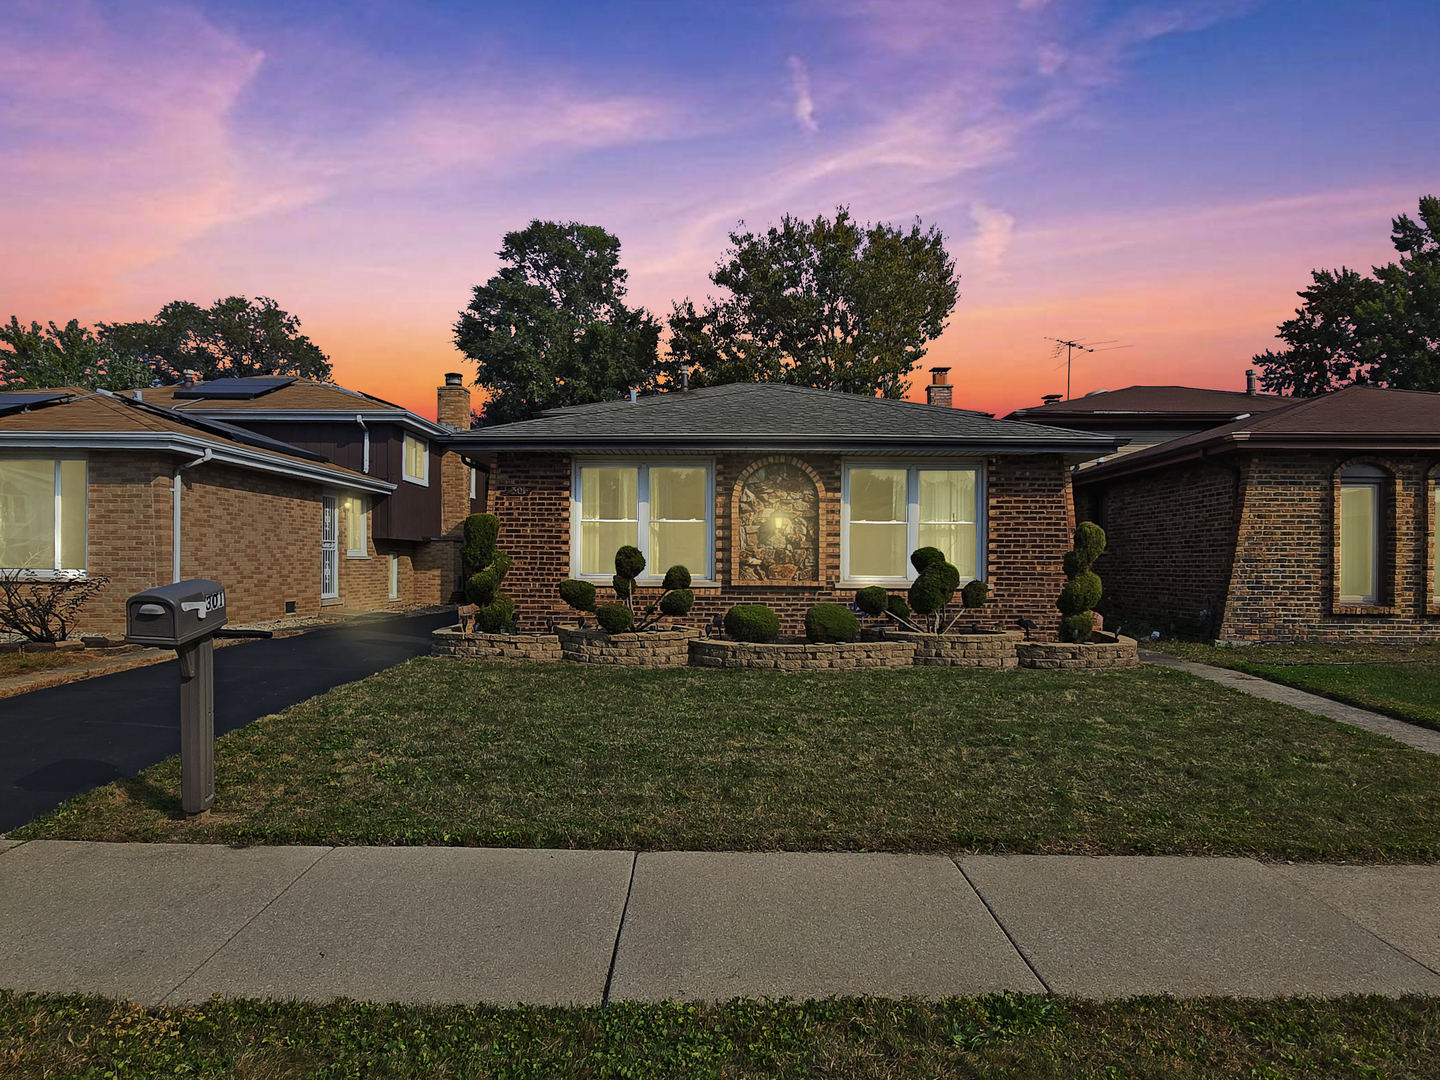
(418, 483)
(648, 583)
(331, 601)
(356, 555)
(1364, 609)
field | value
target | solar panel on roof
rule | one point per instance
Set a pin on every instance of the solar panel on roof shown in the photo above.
(232, 389)
(20, 401)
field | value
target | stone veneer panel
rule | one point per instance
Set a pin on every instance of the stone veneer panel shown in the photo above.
(777, 523)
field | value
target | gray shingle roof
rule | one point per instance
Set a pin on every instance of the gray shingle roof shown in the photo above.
(764, 416)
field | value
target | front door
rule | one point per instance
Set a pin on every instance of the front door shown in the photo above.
(329, 547)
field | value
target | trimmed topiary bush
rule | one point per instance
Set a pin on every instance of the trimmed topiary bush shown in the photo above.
(873, 601)
(580, 595)
(936, 585)
(897, 606)
(615, 618)
(752, 622)
(975, 594)
(831, 624)
(485, 567)
(924, 558)
(1083, 591)
(677, 603)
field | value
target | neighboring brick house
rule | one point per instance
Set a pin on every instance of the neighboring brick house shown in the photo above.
(1143, 416)
(1315, 520)
(95, 484)
(781, 495)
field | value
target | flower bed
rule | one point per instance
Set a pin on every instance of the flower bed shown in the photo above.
(1101, 651)
(451, 641)
(989, 648)
(800, 655)
(645, 649)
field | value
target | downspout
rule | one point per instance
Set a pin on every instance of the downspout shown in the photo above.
(175, 489)
(361, 421)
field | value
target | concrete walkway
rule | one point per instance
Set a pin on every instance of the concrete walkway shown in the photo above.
(169, 923)
(1409, 734)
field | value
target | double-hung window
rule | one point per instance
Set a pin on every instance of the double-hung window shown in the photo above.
(1362, 489)
(663, 508)
(43, 515)
(417, 460)
(888, 510)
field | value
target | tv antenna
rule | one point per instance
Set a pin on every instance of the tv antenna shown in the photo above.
(1083, 346)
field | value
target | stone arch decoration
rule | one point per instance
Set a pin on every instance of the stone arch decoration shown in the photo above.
(777, 523)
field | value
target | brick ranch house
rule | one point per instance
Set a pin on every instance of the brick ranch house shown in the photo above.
(124, 487)
(782, 495)
(1312, 521)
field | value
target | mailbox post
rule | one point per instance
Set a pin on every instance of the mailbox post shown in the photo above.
(184, 617)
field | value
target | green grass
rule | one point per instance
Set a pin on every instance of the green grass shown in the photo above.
(1402, 681)
(993, 1036)
(1146, 761)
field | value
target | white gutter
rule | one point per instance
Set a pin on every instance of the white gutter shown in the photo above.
(237, 455)
(175, 488)
(375, 416)
(361, 421)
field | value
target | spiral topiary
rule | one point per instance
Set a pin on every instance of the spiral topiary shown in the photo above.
(831, 624)
(1083, 589)
(484, 568)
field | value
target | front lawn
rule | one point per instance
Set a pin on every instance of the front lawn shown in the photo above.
(1402, 681)
(922, 760)
(997, 1035)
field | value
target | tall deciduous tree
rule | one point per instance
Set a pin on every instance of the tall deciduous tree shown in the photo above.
(1382, 330)
(233, 338)
(50, 356)
(824, 303)
(552, 329)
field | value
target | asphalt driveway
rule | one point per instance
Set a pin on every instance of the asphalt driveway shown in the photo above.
(57, 743)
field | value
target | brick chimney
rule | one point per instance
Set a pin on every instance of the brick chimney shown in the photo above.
(938, 392)
(452, 407)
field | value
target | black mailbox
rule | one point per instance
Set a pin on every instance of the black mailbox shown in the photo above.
(175, 615)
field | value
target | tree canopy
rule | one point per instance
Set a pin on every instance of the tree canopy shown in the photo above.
(49, 356)
(1382, 330)
(824, 303)
(552, 329)
(233, 338)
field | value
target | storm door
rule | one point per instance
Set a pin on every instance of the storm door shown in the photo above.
(329, 547)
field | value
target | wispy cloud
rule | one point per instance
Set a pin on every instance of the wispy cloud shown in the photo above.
(995, 229)
(804, 100)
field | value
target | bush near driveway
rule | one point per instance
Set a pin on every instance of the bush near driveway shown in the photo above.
(920, 759)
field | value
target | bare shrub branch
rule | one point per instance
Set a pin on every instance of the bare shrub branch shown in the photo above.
(44, 608)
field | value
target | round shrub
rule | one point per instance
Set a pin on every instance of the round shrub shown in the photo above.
(1089, 542)
(924, 558)
(897, 606)
(614, 618)
(872, 601)
(1077, 627)
(677, 577)
(496, 616)
(677, 603)
(1080, 594)
(629, 563)
(752, 622)
(975, 594)
(831, 624)
(580, 595)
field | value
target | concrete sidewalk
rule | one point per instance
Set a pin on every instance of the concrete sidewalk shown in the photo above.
(168, 923)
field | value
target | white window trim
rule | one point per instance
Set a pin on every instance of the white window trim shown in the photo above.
(649, 579)
(913, 466)
(423, 480)
(55, 573)
(1375, 479)
(363, 551)
(473, 471)
(393, 577)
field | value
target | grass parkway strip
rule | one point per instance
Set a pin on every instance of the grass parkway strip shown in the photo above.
(1146, 761)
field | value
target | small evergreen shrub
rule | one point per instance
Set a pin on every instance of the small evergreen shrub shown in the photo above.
(831, 624)
(924, 558)
(580, 595)
(897, 606)
(752, 622)
(615, 618)
(936, 585)
(1083, 589)
(677, 577)
(677, 603)
(975, 594)
(484, 568)
(873, 601)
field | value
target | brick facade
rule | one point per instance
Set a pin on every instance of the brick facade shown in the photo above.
(1258, 543)
(1030, 520)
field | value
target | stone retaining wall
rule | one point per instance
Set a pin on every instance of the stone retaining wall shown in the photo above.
(449, 641)
(1102, 651)
(646, 649)
(708, 652)
(957, 650)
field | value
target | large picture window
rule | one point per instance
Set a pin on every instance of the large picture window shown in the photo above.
(664, 509)
(1362, 489)
(43, 515)
(889, 510)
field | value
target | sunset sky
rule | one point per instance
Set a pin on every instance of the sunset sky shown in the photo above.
(1161, 174)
